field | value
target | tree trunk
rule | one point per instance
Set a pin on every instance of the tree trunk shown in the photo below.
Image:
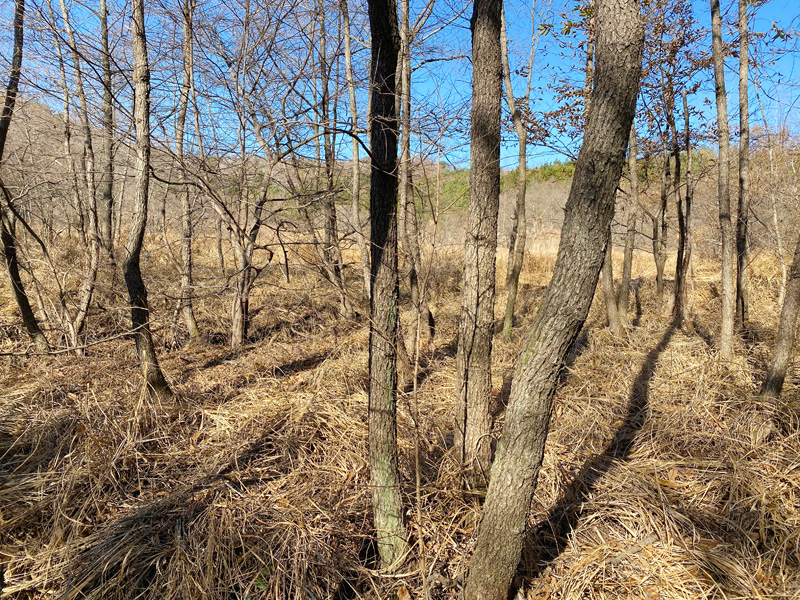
(684, 260)
(723, 187)
(660, 233)
(355, 203)
(384, 310)
(612, 313)
(187, 284)
(519, 224)
(742, 250)
(624, 292)
(6, 223)
(137, 292)
(784, 341)
(563, 310)
(474, 356)
(106, 205)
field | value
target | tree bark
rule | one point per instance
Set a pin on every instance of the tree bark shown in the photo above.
(784, 341)
(612, 312)
(724, 192)
(6, 223)
(106, 204)
(624, 291)
(742, 249)
(519, 224)
(684, 259)
(187, 283)
(355, 184)
(140, 312)
(563, 310)
(476, 324)
(384, 310)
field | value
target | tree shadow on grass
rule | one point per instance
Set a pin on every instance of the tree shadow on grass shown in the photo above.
(551, 536)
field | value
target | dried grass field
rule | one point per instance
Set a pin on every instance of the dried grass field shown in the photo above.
(666, 476)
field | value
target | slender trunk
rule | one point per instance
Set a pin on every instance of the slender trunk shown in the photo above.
(358, 225)
(612, 313)
(660, 232)
(683, 266)
(519, 225)
(106, 205)
(6, 223)
(723, 187)
(624, 292)
(384, 310)
(476, 324)
(187, 284)
(584, 236)
(784, 341)
(742, 250)
(140, 311)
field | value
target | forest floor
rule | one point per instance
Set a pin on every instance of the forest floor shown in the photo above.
(665, 476)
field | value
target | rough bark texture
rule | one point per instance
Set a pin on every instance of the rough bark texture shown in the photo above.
(187, 284)
(137, 292)
(384, 309)
(624, 292)
(742, 250)
(723, 189)
(519, 224)
(563, 310)
(476, 324)
(784, 342)
(6, 224)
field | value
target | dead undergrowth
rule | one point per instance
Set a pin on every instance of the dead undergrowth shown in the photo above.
(666, 475)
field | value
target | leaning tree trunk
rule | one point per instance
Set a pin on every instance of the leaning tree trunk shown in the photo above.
(742, 250)
(723, 189)
(563, 310)
(476, 324)
(784, 342)
(384, 310)
(140, 311)
(6, 223)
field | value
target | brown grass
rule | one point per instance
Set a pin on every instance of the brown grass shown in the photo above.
(666, 476)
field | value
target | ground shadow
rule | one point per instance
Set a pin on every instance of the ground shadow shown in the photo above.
(551, 536)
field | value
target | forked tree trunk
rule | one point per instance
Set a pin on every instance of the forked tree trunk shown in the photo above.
(137, 292)
(474, 356)
(742, 249)
(563, 310)
(787, 331)
(624, 292)
(384, 310)
(6, 220)
(723, 189)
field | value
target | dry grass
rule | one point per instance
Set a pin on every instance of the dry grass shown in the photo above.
(666, 476)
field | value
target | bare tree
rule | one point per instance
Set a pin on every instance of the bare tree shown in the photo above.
(7, 219)
(565, 305)
(475, 327)
(742, 249)
(624, 291)
(384, 297)
(723, 189)
(137, 292)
